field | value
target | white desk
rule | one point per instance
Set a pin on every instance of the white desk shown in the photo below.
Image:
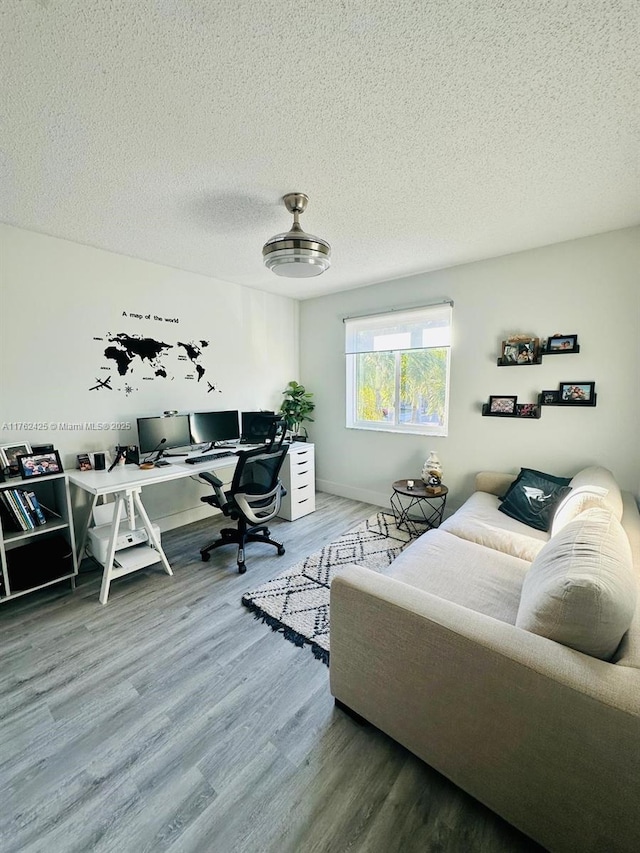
(125, 483)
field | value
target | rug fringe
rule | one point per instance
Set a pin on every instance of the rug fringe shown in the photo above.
(288, 633)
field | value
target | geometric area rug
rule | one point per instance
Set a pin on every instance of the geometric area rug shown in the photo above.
(296, 603)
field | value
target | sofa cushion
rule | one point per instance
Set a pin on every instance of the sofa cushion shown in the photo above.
(603, 478)
(479, 521)
(533, 497)
(571, 505)
(581, 590)
(468, 574)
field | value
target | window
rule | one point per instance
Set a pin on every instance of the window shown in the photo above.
(398, 370)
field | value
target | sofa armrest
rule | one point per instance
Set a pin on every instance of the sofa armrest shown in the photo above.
(520, 722)
(494, 482)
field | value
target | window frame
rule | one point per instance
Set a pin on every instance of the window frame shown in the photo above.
(351, 359)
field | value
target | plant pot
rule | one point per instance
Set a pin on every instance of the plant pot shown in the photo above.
(299, 438)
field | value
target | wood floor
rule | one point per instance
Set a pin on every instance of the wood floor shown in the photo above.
(172, 720)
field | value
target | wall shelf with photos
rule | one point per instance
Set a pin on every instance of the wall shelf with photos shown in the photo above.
(522, 351)
(505, 406)
(570, 394)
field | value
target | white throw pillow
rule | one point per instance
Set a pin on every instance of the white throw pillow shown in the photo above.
(581, 589)
(576, 502)
(604, 479)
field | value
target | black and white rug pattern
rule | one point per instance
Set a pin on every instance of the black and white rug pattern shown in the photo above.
(296, 602)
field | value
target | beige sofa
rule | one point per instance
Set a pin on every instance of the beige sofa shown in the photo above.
(545, 735)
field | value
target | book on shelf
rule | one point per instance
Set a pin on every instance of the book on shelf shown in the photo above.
(9, 519)
(36, 509)
(22, 509)
(18, 515)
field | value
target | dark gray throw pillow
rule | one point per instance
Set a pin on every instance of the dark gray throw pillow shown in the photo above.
(533, 497)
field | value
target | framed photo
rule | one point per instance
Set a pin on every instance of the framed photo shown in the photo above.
(525, 351)
(9, 455)
(577, 393)
(527, 410)
(549, 398)
(505, 406)
(562, 343)
(84, 462)
(39, 464)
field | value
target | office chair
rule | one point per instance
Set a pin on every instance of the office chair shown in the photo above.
(253, 499)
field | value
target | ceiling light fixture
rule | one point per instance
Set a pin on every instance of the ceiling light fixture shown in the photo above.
(296, 254)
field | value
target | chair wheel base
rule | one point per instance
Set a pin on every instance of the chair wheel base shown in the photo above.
(241, 568)
(280, 551)
(205, 555)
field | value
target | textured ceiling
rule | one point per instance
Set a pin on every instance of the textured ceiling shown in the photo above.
(426, 133)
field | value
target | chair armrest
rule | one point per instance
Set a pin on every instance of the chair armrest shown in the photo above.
(217, 484)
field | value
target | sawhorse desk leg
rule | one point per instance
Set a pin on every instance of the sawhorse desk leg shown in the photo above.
(132, 499)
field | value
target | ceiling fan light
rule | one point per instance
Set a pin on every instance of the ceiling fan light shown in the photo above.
(296, 254)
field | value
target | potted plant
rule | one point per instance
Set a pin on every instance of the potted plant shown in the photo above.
(296, 408)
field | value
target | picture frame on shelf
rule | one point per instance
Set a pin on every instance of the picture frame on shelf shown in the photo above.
(502, 405)
(561, 343)
(549, 398)
(39, 465)
(577, 393)
(9, 456)
(527, 410)
(520, 351)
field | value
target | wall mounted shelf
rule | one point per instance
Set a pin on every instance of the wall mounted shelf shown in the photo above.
(502, 363)
(562, 351)
(532, 412)
(569, 404)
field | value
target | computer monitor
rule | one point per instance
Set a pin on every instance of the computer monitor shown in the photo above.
(214, 426)
(175, 431)
(255, 429)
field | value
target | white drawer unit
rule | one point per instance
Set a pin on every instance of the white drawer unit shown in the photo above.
(298, 477)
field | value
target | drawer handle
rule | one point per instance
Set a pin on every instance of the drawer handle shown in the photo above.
(303, 501)
(306, 486)
(302, 472)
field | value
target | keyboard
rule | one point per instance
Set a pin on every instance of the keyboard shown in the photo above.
(208, 457)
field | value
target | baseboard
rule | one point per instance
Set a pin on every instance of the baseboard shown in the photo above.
(364, 495)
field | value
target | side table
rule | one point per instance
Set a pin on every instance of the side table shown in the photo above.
(415, 509)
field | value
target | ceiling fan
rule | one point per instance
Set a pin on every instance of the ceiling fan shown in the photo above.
(296, 254)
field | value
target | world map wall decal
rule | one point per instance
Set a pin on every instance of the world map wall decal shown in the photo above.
(140, 357)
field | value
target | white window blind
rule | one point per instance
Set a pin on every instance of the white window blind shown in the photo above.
(416, 328)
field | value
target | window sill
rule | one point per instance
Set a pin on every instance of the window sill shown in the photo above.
(438, 432)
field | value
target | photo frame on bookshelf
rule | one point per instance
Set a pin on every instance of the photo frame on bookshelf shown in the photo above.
(39, 465)
(9, 456)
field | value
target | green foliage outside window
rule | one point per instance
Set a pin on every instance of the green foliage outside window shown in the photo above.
(402, 387)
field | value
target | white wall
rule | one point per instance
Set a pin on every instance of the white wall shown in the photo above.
(59, 297)
(590, 287)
